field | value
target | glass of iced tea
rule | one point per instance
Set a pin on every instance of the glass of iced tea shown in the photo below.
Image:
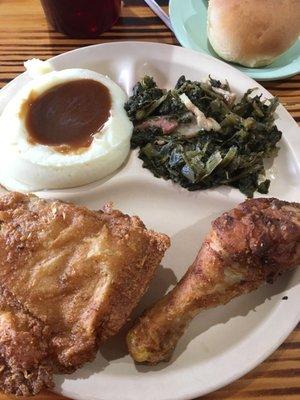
(82, 18)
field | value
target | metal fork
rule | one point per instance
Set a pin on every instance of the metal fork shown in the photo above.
(160, 13)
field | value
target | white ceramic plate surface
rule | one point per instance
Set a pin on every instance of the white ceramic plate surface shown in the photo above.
(221, 344)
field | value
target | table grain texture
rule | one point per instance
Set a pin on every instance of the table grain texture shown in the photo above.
(24, 34)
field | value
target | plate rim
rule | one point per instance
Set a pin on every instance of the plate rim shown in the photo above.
(232, 377)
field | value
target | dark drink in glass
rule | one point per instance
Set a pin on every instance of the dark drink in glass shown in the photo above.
(82, 18)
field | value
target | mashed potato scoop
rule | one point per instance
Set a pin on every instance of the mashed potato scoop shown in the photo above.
(62, 129)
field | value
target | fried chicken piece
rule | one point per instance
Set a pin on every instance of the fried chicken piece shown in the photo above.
(254, 243)
(71, 272)
(25, 363)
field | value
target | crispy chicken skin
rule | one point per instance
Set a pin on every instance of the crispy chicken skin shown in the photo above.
(254, 243)
(69, 279)
(25, 365)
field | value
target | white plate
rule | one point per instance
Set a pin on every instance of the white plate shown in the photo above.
(221, 344)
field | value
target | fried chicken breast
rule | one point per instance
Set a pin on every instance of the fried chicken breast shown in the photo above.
(69, 279)
(252, 244)
(25, 362)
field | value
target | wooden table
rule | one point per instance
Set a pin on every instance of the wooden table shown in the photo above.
(24, 34)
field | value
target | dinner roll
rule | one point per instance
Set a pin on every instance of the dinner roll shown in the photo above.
(253, 32)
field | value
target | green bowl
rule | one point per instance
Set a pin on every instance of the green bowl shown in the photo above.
(189, 21)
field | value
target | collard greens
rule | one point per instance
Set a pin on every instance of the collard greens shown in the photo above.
(196, 158)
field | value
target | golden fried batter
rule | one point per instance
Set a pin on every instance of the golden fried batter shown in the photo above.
(25, 365)
(69, 279)
(252, 244)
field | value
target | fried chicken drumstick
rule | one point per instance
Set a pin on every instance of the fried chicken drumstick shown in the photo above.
(252, 244)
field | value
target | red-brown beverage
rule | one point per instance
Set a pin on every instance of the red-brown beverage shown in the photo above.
(82, 18)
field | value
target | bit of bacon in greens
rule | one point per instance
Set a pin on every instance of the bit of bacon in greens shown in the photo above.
(199, 136)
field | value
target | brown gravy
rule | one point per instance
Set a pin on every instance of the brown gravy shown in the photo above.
(68, 115)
